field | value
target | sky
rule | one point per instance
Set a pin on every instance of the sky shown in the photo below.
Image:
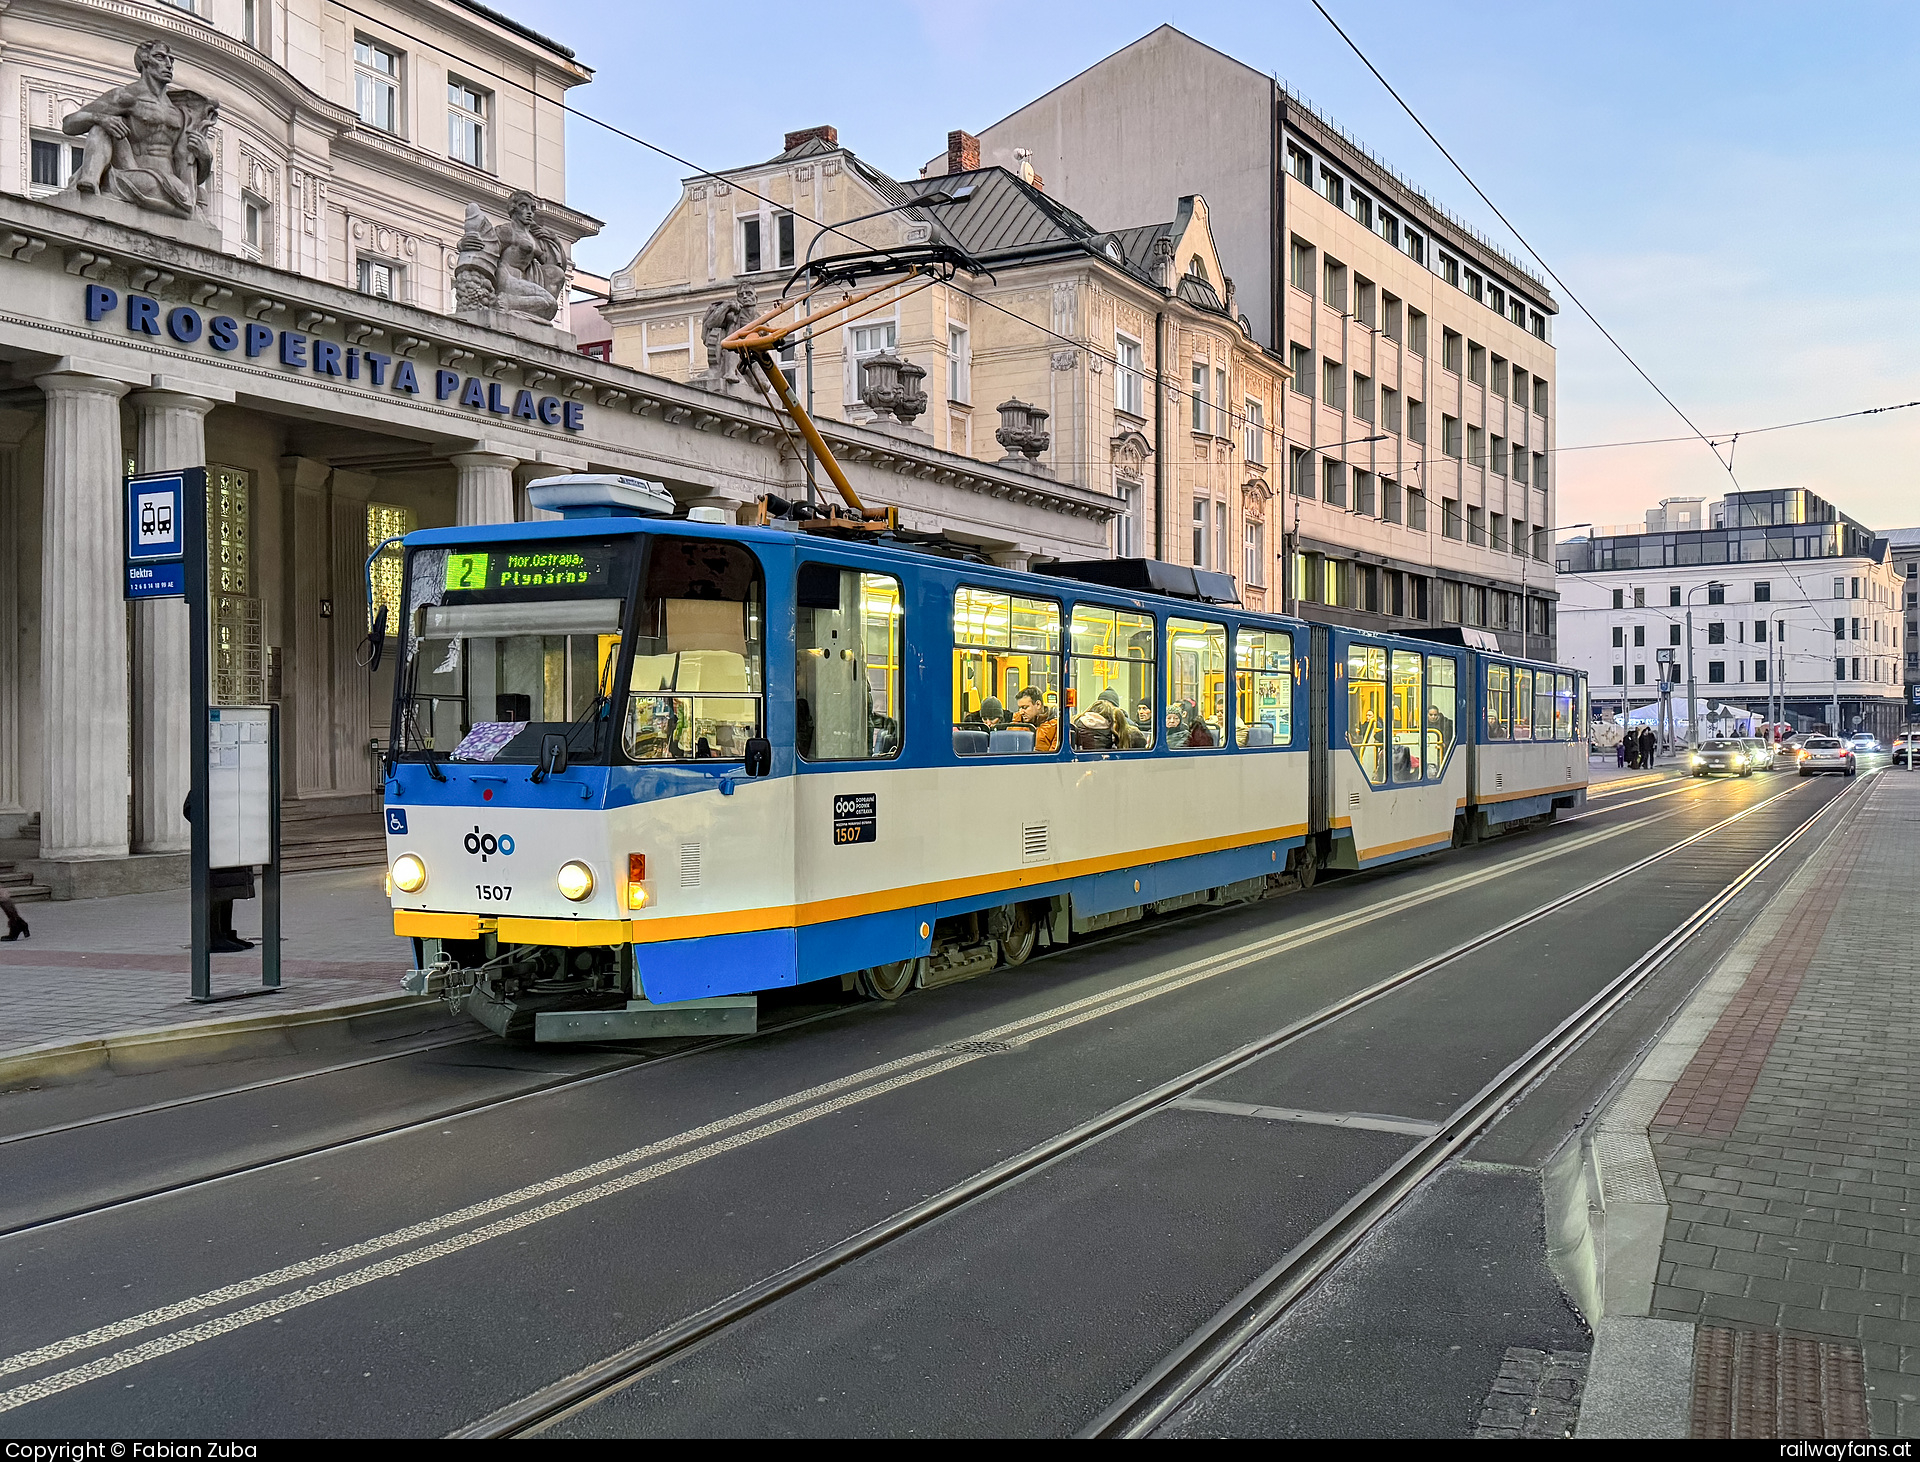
(1728, 188)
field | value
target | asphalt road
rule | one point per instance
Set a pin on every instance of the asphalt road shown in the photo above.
(445, 1225)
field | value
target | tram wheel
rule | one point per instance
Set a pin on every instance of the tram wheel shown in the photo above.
(1020, 937)
(1306, 864)
(889, 981)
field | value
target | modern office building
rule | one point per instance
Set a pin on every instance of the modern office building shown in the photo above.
(1903, 547)
(1419, 422)
(1795, 607)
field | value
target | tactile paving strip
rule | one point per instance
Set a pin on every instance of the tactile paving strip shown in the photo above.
(1759, 1383)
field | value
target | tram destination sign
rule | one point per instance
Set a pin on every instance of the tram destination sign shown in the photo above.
(538, 571)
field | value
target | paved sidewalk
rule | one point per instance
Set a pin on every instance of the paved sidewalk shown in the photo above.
(1790, 1155)
(98, 967)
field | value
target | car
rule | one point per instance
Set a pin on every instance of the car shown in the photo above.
(1904, 748)
(1759, 752)
(1864, 741)
(1826, 754)
(1731, 757)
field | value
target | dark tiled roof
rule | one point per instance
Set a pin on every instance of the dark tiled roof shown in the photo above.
(515, 26)
(1197, 292)
(1009, 220)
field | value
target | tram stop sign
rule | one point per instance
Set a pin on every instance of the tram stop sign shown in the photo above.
(156, 533)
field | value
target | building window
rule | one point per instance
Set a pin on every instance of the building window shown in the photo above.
(1303, 265)
(1839, 629)
(1417, 422)
(1477, 529)
(1334, 384)
(1639, 675)
(1222, 413)
(1333, 189)
(1716, 593)
(1496, 300)
(1450, 351)
(1519, 387)
(1363, 396)
(1333, 483)
(1619, 632)
(750, 253)
(1126, 376)
(958, 365)
(1390, 504)
(1716, 634)
(1499, 456)
(1363, 302)
(1499, 376)
(467, 109)
(376, 84)
(1363, 493)
(1300, 358)
(1519, 464)
(1759, 631)
(380, 279)
(52, 163)
(1839, 669)
(1537, 324)
(1619, 675)
(1673, 634)
(1333, 285)
(1450, 436)
(1256, 554)
(1639, 598)
(1476, 363)
(1450, 269)
(252, 30)
(388, 569)
(1417, 521)
(1497, 534)
(1415, 248)
(1199, 533)
(1390, 408)
(1450, 519)
(256, 229)
(869, 341)
(1416, 332)
(1300, 165)
(1476, 446)
(1639, 636)
(783, 240)
(1256, 432)
(1389, 316)
(1839, 588)
(1198, 397)
(1540, 470)
(1716, 672)
(1539, 397)
(1221, 556)
(1619, 597)
(1475, 287)
(598, 350)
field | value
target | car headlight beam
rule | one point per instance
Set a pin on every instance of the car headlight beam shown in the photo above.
(409, 873)
(575, 880)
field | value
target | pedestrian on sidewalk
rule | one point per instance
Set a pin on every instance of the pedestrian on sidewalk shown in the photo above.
(1620, 751)
(16, 926)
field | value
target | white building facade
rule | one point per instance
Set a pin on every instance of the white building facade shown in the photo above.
(1796, 610)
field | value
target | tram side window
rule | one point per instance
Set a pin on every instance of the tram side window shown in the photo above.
(1406, 716)
(1442, 713)
(1542, 706)
(1367, 709)
(1522, 704)
(697, 690)
(847, 639)
(1113, 673)
(1499, 702)
(1583, 727)
(1263, 687)
(1196, 716)
(1563, 708)
(1006, 674)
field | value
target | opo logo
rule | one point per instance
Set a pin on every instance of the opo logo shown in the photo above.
(486, 844)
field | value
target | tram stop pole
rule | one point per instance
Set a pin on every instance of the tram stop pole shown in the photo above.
(200, 825)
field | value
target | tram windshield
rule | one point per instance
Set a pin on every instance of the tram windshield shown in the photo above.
(505, 644)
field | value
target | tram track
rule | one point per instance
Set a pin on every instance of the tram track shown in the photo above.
(319, 1277)
(1205, 1353)
(1321, 929)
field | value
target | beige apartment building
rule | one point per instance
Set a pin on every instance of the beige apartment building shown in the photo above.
(1419, 423)
(1048, 366)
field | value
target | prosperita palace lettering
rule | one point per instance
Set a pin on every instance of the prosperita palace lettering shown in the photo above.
(295, 351)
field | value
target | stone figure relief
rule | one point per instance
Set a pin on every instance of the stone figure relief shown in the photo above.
(147, 144)
(516, 266)
(723, 317)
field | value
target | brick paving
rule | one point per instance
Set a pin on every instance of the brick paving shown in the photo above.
(1758, 1383)
(98, 967)
(1789, 1147)
(1536, 1395)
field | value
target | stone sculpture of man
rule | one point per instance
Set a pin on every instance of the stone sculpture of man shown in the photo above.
(146, 144)
(723, 317)
(517, 265)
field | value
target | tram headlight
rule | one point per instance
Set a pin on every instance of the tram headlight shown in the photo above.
(575, 880)
(409, 873)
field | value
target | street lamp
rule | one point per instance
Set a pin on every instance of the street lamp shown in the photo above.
(1693, 720)
(1292, 489)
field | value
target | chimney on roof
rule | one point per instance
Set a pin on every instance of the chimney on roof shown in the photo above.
(828, 135)
(963, 152)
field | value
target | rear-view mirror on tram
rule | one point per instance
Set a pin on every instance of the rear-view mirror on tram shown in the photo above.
(758, 761)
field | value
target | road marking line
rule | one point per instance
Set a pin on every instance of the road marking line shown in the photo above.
(1025, 1030)
(1365, 1121)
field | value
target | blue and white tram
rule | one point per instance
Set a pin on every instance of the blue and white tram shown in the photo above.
(644, 766)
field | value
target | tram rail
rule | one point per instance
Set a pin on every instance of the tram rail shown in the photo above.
(1203, 1355)
(1337, 924)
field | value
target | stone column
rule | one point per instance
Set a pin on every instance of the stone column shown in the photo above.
(83, 621)
(486, 487)
(172, 433)
(1012, 558)
(306, 667)
(352, 768)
